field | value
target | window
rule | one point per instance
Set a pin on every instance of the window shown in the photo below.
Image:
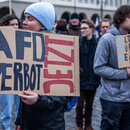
(116, 3)
(86, 1)
(128, 1)
(111, 2)
(97, 2)
(80, 1)
(120, 2)
(106, 2)
(92, 1)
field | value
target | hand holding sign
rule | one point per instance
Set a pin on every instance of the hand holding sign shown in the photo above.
(29, 97)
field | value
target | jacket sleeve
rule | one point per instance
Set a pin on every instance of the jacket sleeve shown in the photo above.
(102, 64)
(19, 115)
(50, 102)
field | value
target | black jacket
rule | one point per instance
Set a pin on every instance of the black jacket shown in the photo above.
(88, 80)
(46, 114)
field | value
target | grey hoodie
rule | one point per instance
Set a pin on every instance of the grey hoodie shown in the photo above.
(115, 84)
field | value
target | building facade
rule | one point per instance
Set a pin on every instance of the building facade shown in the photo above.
(91, 9)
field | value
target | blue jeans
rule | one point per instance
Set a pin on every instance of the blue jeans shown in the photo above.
(115, 116)
(7, 101)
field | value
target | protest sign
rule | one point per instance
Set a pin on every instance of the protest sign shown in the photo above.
(123, 50)
(45, 63)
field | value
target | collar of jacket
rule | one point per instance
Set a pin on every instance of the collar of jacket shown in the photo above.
(47, 31)
(91, 41)
(77, 27)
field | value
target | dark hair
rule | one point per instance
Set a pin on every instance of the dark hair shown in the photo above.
(61, 26)
(121, 14)
(105, 20)
(6, 19)
(89, 22)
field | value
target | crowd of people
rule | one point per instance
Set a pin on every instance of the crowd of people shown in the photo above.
(98, 68)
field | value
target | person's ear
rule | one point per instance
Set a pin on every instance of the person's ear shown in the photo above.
(92, 29)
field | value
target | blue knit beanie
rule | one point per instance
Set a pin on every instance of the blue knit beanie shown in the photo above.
(44, 12)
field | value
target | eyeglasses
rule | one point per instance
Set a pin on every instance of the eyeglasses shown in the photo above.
(84, 28)
(104, 26)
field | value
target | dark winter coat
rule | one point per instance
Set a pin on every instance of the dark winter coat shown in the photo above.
(88, 80)
(46, 114)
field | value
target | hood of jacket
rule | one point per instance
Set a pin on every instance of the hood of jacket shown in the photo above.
(113, 30)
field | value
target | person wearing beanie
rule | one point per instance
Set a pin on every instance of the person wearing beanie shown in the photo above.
(74, 25)
(38, 112)
(75, 15)
(44, 12)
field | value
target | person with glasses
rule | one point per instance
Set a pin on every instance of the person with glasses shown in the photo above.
(104, 26)
(88, 80)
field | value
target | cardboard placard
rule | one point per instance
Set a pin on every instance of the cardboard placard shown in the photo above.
(45, 63)
(123, 50)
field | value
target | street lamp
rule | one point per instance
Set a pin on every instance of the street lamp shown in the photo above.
(101, 10)
(10, 10)
(101, 7)
(74, 5)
